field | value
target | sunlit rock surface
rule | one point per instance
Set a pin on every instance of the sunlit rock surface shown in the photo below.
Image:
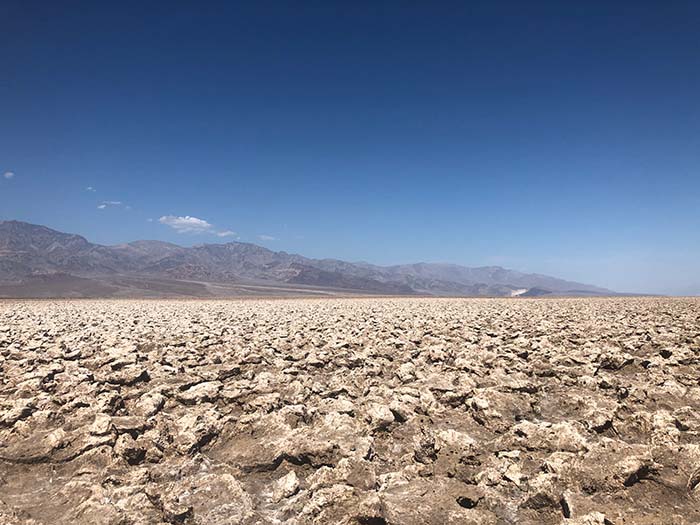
(350, 411)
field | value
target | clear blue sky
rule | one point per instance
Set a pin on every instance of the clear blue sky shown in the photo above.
(554, 137)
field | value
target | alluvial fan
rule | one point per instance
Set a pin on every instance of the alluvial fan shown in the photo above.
(350, 411)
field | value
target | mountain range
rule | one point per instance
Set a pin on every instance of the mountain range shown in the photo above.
(36, 261)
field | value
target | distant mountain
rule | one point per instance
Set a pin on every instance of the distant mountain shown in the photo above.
(36, 261)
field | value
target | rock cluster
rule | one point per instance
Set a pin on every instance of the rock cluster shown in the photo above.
(350, 411)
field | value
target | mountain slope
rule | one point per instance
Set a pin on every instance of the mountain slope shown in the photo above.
(31, 254)
(451, 278)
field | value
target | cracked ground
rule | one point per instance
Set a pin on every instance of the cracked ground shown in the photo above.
(350, 411)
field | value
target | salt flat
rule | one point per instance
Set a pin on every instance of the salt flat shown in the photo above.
(368, 411)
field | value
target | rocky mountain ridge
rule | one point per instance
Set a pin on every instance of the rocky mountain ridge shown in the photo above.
(34, 258)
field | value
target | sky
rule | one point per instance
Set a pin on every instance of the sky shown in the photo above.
(552, 137)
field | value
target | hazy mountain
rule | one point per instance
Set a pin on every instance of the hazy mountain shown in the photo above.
(39, 261)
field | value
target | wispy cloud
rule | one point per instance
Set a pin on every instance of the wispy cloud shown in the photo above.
(226, 233)
(106, 204)
(9, 175)
(90, 188)
(267, 238)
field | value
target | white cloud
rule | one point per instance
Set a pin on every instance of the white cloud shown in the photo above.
(112, 203)
(101, 206)
(8, 174)
(90, 188)
(189, 224)
(186, 224)
(267, 238)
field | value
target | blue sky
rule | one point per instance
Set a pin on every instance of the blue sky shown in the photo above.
(552, 137)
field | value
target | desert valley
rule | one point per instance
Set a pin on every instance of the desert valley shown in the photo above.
(349, 263)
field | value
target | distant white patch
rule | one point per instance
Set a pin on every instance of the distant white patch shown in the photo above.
(267, 238)
(9, 175)
(90, 188)
(226, 233)
(515, 293)
(101, 206)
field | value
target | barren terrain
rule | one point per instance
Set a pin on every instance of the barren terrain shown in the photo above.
(350, 411)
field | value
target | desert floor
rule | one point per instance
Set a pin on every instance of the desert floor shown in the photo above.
(357, 411)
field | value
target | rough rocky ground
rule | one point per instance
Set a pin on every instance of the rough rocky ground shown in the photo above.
(355, 411)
